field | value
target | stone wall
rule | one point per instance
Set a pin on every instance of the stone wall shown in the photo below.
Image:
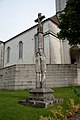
(25, 76)
(60, 75)
(7, 78)
(22, 76)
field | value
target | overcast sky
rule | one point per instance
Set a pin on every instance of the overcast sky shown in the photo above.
(19, 15)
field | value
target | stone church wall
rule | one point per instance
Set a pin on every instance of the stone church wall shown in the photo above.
(23, 76)
(55, 57)
(28, 40)
(51, 46)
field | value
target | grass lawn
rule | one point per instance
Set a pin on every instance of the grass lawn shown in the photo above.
(11, 110)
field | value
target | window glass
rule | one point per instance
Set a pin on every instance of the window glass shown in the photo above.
(20, 50)
(8, 54)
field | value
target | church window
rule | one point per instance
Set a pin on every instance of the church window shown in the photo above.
(20, 50)
(8, 54)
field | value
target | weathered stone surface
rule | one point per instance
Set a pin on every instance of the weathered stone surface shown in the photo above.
(41, 96)
(16, 77)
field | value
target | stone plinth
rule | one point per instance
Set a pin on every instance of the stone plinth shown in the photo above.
(43, 94)
(41, 97)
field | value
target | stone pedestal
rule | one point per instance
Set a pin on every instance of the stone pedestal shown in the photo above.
(41, 97)
(43, 94)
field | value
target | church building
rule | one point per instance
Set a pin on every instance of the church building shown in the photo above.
(21, 49)
(17, 57)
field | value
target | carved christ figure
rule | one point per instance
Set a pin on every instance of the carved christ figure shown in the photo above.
(40, 31)
(39, 19)
(43, 68)
(40, 57)
(40, 69)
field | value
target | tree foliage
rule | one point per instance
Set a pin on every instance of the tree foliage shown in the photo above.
(70, 22)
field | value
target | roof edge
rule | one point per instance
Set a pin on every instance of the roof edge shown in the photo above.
(50, 18)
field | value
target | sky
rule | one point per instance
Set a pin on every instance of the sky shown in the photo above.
(17, 16)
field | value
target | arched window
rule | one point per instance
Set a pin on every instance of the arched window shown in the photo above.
(8, 54)
(20, 50)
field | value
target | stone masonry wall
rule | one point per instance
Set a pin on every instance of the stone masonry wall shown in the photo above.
(23, 76)
(7, 78)
(59, 75)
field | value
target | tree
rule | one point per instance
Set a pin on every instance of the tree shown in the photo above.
(70, 22)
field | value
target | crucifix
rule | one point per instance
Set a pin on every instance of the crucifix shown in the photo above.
(40, 96)
(40, 56)
(40, 31)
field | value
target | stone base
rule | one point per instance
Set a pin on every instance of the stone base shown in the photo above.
(41, 97)
(41, 94)
(41, 104)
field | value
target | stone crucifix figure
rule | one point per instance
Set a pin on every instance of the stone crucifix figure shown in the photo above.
(40, 56)
(40, 96)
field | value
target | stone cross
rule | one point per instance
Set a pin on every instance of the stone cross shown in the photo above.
(40, 31)
(41, 96)
(40, 56)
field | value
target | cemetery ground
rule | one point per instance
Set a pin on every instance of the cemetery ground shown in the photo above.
(10, 109)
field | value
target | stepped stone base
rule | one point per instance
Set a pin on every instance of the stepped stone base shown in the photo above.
(41, 97)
